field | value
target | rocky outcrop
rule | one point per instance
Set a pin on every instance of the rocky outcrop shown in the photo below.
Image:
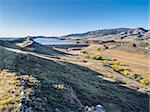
(26, 101)
(97, 108)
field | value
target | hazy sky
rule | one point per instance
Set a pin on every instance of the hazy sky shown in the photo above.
(61, 17)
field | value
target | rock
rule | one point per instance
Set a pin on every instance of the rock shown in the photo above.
(37, 103)
(23, 100)
(22, 93)
(45, 99)
(92, 108)
(97, 108)
(32, 92)
(28, 109)
(86, 107)
(57, 110)
(72, 95)
(39, 99)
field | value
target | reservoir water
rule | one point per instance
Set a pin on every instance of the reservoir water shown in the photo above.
(51, 41)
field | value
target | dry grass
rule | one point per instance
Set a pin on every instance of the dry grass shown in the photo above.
(9, 91)
(133, 57)
(24, 44)
(137, 62)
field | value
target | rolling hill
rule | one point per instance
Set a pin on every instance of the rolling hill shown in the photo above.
(114, 34)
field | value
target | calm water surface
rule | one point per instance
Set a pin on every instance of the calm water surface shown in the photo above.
(50, 41)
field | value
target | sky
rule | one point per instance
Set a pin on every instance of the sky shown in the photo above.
(19, 18)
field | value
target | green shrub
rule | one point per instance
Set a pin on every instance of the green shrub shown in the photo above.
(6, 101)
(126, 72)
(16, 77)
(50, 98)
(96, 57)
(98, 49)
(87, 56)
(29, 83)
(145, 81)
(116, 67)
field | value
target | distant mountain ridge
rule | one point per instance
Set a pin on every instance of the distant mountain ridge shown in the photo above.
(117, 33)
(100, 32)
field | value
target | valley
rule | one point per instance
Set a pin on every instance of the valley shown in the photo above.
(111, 75)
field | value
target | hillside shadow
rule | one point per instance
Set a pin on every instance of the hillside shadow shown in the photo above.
(34, 47)
(90, 89)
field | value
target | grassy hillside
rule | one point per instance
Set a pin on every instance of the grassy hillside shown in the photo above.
(9, 91)
(57, 85)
